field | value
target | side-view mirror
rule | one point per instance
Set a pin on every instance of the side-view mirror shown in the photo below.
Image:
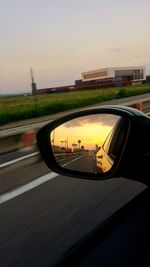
(98, 143)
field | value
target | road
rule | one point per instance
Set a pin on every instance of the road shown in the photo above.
(40, 225)
(82, 162)
(45, 214)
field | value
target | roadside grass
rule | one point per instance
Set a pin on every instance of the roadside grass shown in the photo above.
(24, 107)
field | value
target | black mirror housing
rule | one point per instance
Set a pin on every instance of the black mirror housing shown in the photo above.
(132, 131)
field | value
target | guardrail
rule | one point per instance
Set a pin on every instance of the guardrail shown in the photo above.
(140, 104)
(63, 157)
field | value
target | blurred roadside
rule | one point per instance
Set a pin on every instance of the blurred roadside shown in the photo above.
(18, 139)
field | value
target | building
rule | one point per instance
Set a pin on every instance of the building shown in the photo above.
(120, 74)
(106, 77)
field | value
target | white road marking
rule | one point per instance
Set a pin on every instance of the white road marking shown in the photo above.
(17, 160)
(22, 189)
(148, 114)
(72, 161)
(27, 187)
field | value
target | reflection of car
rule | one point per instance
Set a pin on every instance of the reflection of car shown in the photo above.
(103, 161)
(109, 150)
(123, 238)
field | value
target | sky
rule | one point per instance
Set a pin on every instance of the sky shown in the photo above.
(60, 39)
(97, 127)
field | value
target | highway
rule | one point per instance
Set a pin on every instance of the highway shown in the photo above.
(38, 226)
(43, 214)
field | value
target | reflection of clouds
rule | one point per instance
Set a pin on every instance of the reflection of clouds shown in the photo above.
(98, 119)
(92, 130)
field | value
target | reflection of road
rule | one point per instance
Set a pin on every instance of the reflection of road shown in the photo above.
(83, 163)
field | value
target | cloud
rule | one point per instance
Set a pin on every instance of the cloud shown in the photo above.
(98, 119)
(117, 49)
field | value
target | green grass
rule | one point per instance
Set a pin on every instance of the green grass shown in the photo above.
(24, 107)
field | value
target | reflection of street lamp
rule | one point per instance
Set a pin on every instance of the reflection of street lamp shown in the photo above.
(79, 142)
(65, 142)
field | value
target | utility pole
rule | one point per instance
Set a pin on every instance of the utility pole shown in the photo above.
(33, 86)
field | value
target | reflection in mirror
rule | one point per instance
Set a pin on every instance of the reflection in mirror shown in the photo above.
(86, 144)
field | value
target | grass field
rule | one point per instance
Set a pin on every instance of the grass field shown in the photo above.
(24, 107)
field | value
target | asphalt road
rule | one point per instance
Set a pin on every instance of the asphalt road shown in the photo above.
(82, 162)
(39, 226)
(15, 155)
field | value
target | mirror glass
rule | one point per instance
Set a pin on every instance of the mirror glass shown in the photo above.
(88, 143)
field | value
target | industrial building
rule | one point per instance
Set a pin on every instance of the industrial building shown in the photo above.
(120, 74)
(106, 77)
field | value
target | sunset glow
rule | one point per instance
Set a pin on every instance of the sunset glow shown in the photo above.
(61, 39)
(90, 133)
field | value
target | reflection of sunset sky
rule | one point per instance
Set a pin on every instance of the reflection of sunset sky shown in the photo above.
(91, 130)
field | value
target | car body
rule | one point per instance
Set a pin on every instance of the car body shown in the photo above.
(104, 161)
